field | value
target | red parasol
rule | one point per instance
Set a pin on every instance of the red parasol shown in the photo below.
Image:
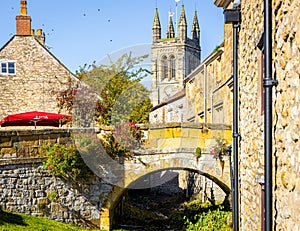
(35, 118)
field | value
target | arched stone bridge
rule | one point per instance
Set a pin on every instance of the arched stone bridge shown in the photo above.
(169, 146)
(172, 146)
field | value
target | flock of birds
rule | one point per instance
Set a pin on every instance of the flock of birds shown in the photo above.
(52, 30)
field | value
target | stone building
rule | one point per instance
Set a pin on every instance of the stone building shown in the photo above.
(203, 92)
(173, 58)
(286, 117)
(208, 90)
(171, 110)
(30, 74)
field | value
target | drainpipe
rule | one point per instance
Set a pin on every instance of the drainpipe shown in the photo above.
(233, 16)
(235, 129)
(268, 84)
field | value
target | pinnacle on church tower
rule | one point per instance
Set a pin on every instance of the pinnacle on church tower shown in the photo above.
(182, 25)
(170, 30)
(23, 21)
(196, 28)
(156, 28)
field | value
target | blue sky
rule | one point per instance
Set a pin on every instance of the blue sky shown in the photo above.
(83, 31)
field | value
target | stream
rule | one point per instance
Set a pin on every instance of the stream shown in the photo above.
(150, 210)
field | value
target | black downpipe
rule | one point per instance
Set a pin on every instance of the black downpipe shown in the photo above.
(234, 16)
(235, 130)
(268, 84)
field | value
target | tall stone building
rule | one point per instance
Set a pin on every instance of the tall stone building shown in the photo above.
(30, 74)
(173, 57)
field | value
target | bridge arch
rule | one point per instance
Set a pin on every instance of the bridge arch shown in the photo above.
(217, 181)
(163, 163)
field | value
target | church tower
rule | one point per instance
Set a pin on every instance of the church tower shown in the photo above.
(173, 57)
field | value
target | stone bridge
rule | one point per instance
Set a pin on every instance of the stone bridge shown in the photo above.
(25, 184)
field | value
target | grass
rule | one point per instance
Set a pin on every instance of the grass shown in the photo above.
(15, 221)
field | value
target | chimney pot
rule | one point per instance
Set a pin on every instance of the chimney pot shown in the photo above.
(39, 32)
(23, 7)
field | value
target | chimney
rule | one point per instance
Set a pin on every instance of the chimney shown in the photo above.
(23, 21)
(40, 36)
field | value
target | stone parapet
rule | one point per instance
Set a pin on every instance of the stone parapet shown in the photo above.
(24, 144)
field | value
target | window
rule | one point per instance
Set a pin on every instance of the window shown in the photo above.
(8, 67)
(164, 63)
(170, 116)
(180, 113)
(155, 119)
(172, 61)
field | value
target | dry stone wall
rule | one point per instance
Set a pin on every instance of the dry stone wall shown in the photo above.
(29, 189)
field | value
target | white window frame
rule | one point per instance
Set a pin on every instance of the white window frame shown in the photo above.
(7, 68)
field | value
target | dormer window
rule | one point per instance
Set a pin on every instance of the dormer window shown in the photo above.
(8, 67)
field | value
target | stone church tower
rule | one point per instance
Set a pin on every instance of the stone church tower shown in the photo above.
(173, 58)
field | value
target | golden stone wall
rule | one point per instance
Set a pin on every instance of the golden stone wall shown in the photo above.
(286, 117)
(209, 88)
(227, 73)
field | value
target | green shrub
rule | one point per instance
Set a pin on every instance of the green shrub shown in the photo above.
(52, 195)
(210, 221)
(198, 153)
(65, 160)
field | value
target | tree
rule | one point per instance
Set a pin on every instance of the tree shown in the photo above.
(121, 95)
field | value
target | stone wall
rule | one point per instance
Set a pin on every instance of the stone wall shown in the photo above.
(251, 124)
(19, 145)
(286, 118)
(29, 189)
(226, 74)
(26, 186)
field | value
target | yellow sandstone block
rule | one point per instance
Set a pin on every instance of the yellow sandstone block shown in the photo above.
(190, 143)
(177, 132)
(194, 132)
(168, 143)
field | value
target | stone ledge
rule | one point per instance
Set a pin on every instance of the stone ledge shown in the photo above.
(14, 161)
(190, 125)
(26, 132)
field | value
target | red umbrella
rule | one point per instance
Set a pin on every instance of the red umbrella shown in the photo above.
(35, 118)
